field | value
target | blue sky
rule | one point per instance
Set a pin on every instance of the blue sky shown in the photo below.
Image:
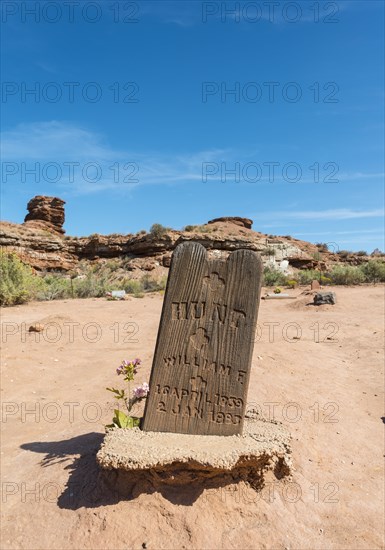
(179, 112)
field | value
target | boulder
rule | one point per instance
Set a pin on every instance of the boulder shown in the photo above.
(37, 327)
(322, 298)
(166, 260)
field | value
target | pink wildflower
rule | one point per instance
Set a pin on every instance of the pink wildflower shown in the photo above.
(141, 391)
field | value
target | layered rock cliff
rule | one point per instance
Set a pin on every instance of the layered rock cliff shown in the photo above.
(40, 242)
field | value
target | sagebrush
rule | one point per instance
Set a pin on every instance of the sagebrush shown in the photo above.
(18, 283)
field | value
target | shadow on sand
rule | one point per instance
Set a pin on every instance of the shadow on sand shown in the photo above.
(90, 487)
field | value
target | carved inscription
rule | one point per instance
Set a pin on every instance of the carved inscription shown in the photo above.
(202, 359)
(183, 311)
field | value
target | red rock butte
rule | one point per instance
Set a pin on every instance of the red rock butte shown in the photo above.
(46, 213)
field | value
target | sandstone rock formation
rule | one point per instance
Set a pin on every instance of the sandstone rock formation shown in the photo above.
(46, 213)
(42, 249)
(243, 222)
(40, 242)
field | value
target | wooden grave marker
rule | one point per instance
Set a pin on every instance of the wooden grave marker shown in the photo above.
(201, 368)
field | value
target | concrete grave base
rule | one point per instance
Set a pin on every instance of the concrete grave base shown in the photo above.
(278, 297)
(208, 460)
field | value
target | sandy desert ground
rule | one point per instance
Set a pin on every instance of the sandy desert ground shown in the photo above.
(320, 372)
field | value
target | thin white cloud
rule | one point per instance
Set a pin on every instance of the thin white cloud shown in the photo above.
(365, 241)
(62, 143)
(346, 176)
(51, 140)
(320, 215)
(352, 232)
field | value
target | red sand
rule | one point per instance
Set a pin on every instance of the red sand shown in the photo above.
(329, 393)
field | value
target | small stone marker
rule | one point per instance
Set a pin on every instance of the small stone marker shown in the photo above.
(315, 285)
(202, 361)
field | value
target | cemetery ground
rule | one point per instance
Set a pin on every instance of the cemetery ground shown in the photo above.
(318, 370)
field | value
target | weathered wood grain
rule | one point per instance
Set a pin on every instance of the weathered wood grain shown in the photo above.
(202, 360)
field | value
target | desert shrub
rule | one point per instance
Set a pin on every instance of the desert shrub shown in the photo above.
(142, 232)
(268, 251)
(306, 276)
(361, 253)
(158, 230)
(273, 277)
(190, 228)
(347, 275)
(291, 283)
(145, 284)
(316, 256)
(344, 253)
(325, 280)
(162, 282)
(18, 284)
(204, 228)
(93, 285)
(322, 247)
(96, 268)
(373, 271)
(153, 285)
(113, 265)
(54, 287)
(133, 286)
(149, 284)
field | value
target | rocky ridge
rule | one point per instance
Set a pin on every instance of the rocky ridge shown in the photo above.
(40, 242)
